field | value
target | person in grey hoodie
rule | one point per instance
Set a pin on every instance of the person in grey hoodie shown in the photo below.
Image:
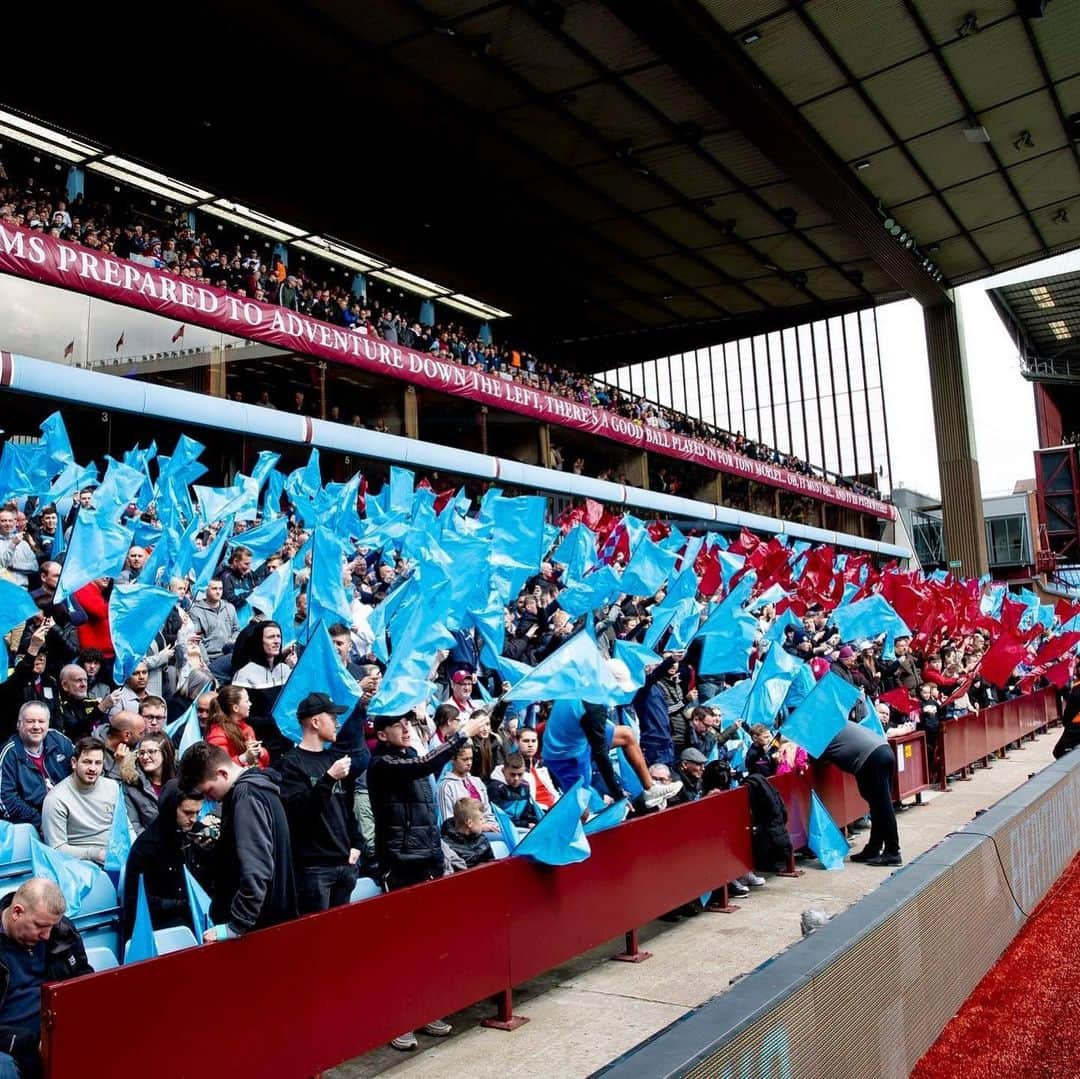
(215, 619)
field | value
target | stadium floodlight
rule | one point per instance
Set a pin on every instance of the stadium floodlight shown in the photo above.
(1060, 329)
(473, 307)
(338, 253)
(237, 214)
(1041, 295)
(391, 275)
(24, 131)
(136, 175)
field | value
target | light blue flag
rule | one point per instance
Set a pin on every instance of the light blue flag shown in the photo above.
(507, 831)
(199, 902)
(773, 594)
(263, 541)
(801, 686)
(772, 679)
(119, 845)
(594, 590)
(319, 670)
(218, 503)
(608, 817)
(191, 732)
(266, 464)
(142, 944)
(872, 723)
(823, 837)
(118, 489)
(16, 606)
(685, 620)
(867, 618)
(136, 614)
(728, 637)
(173, 729)
(400, 493)
(730, 564)
(74, 477)
(204, 563)
(54, 438)
(24, 470)
(559, 838)
(575, 671)
(816, 721)
(275, 598)
(775, 632)
(327, 601)
(732, 701)
(305, 482)
(98, 548)
(275, 488)
(517, 542)
(577, 552)
(74, 877)
(649, 567)
(637, 658)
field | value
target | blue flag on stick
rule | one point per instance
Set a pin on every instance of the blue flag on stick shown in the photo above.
(16, 606)
(74, 877)
(559, 838)
(507, 831)
(320, 670)
(575, 671)
(98, 548)
(136, 614)
(608, 817)
(199, 902)
(823, 837)
(823, 713)
(119, 846)
(142, 944)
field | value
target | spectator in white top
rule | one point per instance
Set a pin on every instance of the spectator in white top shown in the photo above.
(16, 555)
(459, 783)
(77, 816)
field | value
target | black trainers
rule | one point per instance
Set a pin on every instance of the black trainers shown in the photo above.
(865, 855)
(885, 858)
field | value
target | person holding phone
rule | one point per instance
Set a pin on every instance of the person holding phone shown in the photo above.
(230, 730)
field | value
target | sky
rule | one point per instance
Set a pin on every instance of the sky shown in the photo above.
(1002, 401)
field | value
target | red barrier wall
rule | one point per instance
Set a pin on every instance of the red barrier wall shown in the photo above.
(302, 997)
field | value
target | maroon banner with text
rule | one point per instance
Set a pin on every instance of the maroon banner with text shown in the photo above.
(54, 262)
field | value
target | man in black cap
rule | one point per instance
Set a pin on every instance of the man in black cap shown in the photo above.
(317, 786)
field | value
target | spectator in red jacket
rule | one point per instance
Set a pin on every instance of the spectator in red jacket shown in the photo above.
(93, 598)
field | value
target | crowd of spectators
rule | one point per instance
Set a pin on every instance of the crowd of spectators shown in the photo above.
(241, 268)
(273, 826)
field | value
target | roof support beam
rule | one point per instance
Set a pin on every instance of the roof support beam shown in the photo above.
(695, 45)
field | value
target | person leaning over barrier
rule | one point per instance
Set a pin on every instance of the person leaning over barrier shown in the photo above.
(37, 945)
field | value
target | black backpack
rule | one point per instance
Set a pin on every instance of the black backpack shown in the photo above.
(768, 825)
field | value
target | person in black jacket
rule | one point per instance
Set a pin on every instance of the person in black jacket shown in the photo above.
(403, 801)
(463, 833)
(253, 876)
(317, 787)
(37, 944)
(159, 855)
(407, 839)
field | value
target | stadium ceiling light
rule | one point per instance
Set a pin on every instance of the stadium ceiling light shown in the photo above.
(42, 138)
(1041, 295)
(863, 164)
(751, 37)
(238, 214)
(1060, 329)
(338, 253)
(410, 282)
(150, 180)
(473, 307)
(975, 132)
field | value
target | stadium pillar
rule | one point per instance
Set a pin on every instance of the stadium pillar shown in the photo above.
(958, 467)
(637, 470)
(543, 444)
(411, 413)
(215, 373)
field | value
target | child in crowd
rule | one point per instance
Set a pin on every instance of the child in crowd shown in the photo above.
(464, 835)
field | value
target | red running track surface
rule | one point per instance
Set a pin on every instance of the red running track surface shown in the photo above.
(1019, 1021)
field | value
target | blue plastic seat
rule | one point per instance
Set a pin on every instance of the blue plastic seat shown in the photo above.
(101, 958)
(499, 848)
(100, 904)
(17, 865)
(365, 888)
(174, 939)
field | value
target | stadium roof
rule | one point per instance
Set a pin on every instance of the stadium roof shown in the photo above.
(1043, 317)
(630, 179)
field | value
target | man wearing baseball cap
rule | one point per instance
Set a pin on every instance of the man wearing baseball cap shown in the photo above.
(317, 783)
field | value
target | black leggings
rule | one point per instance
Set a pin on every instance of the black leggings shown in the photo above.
(874, 780)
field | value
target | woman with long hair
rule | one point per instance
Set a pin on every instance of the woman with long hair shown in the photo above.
(230, 729)
(143, 774)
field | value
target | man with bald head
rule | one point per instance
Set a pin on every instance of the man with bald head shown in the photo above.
(124, 733)
(75, 713)
(37, 944)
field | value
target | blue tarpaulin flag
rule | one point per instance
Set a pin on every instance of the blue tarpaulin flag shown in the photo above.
(596, 589)
(577, 552)
(575, 671)
(204, 564)
(728, 636)
(608, 817)
(507, 831)
(188, 715)
(98, 548)
(559, 838)
(772, 679)
(24, 469)
(872, 723)
(16, 606)
(517, 542)
(142, 944)
(199, 902)
(191, 732)
(327, 601)
(218, 503)
(73, 477)
(816, 721)
(867, 618)
(649, 567)
(823, 837)
(74, 877)
(119, 846)
(263, 540)
(136, 614)
(54, 438)
(319, 670)
(637, 658)
(275, 597)
(119, 488)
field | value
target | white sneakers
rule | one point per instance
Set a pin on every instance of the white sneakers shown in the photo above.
(437, 1028)
(661, 792)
